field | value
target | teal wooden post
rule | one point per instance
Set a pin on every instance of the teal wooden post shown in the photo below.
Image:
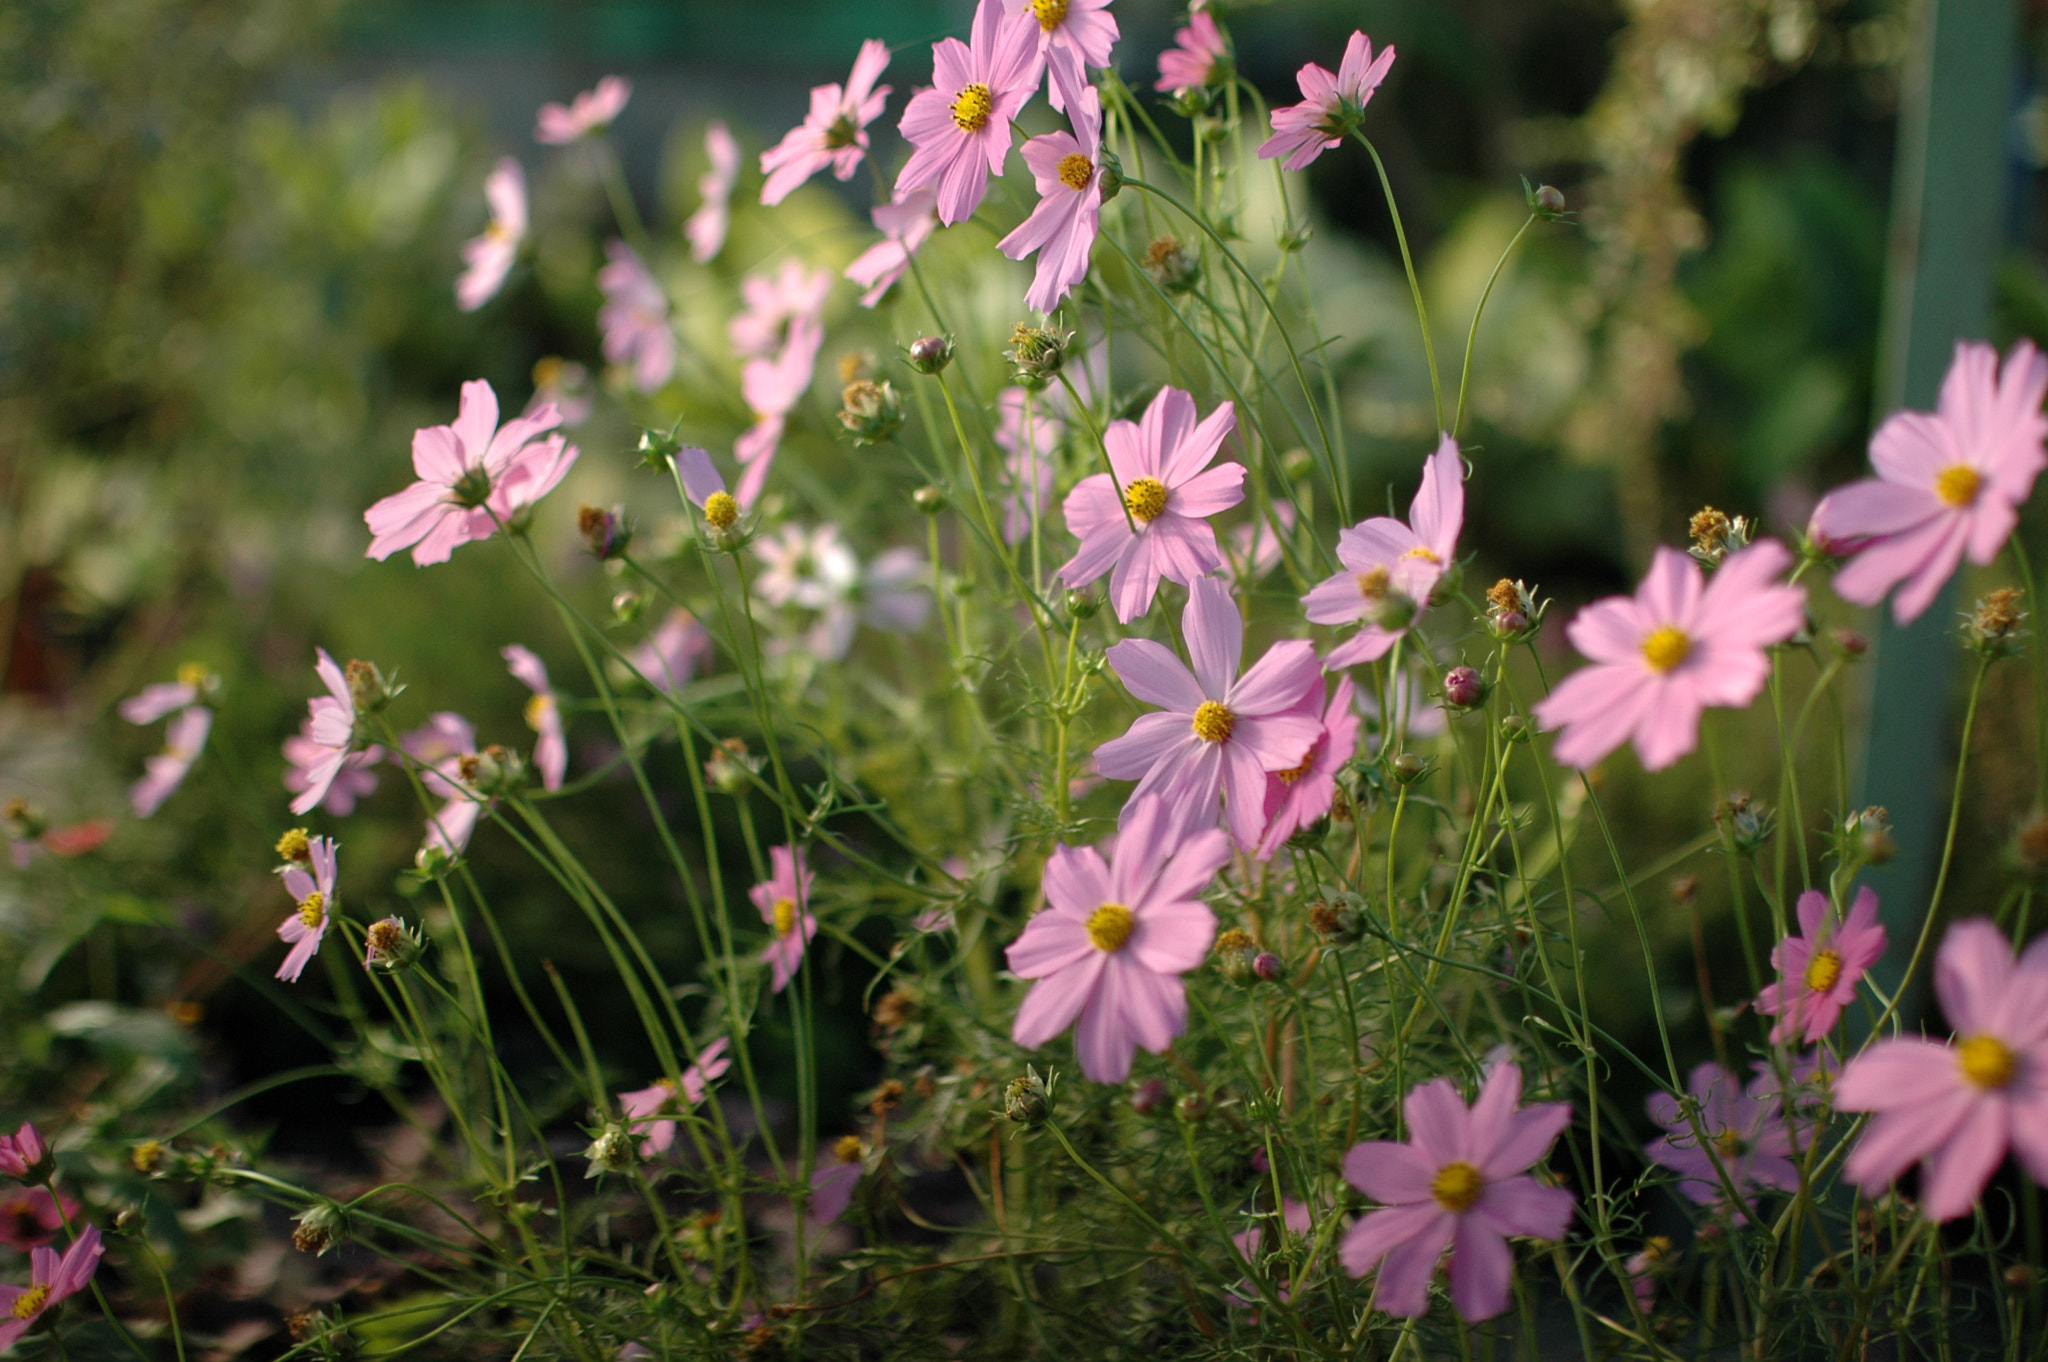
(1948, 208)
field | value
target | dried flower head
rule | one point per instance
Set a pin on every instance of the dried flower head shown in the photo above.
(1992, 629)
(871, 412)
(1172, 265)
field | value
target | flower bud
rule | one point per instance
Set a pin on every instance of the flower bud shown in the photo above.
(130, 1221)
(1148, 1096)
(1027, 1100)
(491, 771)
(1236, 956)
(1406, 768)
(605, 531)
(1746, 822)
(1851, 643)
(1173, 267)
(929, 499)
(1267, 967)
(321, 1227)
(391, 946)
(2026, 855)
(930, 354)
(1515, 728)
(1394, 611)
(1109, 174)
(1546, 202)
(611, 1151)
(1463, 688)
(367, 686)
(1038, 354)
(1685, 889)
(1083, 604)
(626, 606)
(871, 412)
(1191, 1107)
(730, 770)
(1869, 836)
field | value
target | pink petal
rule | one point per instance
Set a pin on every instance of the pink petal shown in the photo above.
(1215, 636)
(1154, 740)
(1056, 1000)
(1389, 1173)
(1153, 674)
(1480, 1268)
(1438, 1122)
(1958, 1170)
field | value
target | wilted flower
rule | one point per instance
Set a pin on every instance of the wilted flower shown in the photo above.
(705, 229)
(610, 1150)
(1039, 353)
(1512, 611)
(489, 257)
(960, 128)
(1331, 105)
(1173, 267)
(1992, 628)
(834, 132)
(1715, 535)
(591, 111)
(605, 530)
(391, 946)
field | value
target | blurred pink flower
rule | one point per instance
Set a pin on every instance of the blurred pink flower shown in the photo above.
(772, 388)
(904, 223)
(1330, 105)
(675, 650)
(314, 893)
(1063, 226)
(354, 780)
(1746, 1126)
(1218, 733)
(51, 1279)
(635, 318)
(1111, 943)
(1298, 796)
(543, 715)
(1818, 969)
(1255, 545)
(1073, 35)
(1295, 1222)
(164, 772)
(705, 228)
(1460, 1182)
(153, 702)
(773, 306)
(440, 745)
(784, 899)
(1413, 713)
(835, 1177)
(644, 1106)
(1191, 62)
(1956, 1108)
(1029, 464)
(1668, 652)
(562, 384)
(1159, 527)
(25, 1155)
(29, 1217)
(834, 132)
(465, 471)
(961, 126)
(1948, 482)
(589, 112)
(329, 732)
(1390, 568)
(489, 257)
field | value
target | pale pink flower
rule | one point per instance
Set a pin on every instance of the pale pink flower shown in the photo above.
(591, 111)
(1192, 60)
(1460, 1182)
(1948, 482)
(51, 1279)
(314, 893)
(1218, 733)
(1956, 1108)
(1390, 568)
(808, 569)
(772, 388)
(1031, 445)
(774, 306)
(562, 384)
(163, 773)
(29, 1217)
(330, 729)
(1818, 969)
(1643, 1267)
(1159, 527)
(1668, 652)
(1113, 941)
(1298, 796)
(705, 229)
(303, 753)
(784, 899)
(1330, 104)
(440, 745)
(165, 697)
(1063, 227)
(489, 257)
(25, 1155)
(1255, 545)
(1746, 1127)
(531, 477)
(905, 223)
(1296, 1222)
(672, 654)
(1073, 35)
(701, 478)
(464, 473)
(543, 715)
(961, 126)
(643, 1107)
(635, 318)
(835, 1177)
(834, 132)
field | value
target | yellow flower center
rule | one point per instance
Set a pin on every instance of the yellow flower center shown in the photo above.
(1456, 1186)
(1666, 648)
(1729, 1143)
(849, 1149)
(721, 512)
(1958, 485)
(1420, 552)
(785, 916)
(1051, 13)
(192, 674)
(1823, 971)
(1213, 722)
(294, 845)
(1076, 170)
(1110, 926)
(1373, 584)
(1294, 773)
(537, 710)
(1987, 1062)
(1144, 498)
(313, 909)
(972, 108)
(29, 1303)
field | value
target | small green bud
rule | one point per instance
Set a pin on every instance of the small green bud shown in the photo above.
(1027, 1100)
(930, 354)
(1082, 605)
(929, 499)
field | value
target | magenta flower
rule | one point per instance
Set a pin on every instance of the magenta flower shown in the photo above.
(834, 1179)
(25, 1155)
(1671, 650)
(635, 318)
(1030, 445)
(1073, 35)
(644, 1106)
(834, 132)
(774, 306)
(489, 257)
(1219, 733)
(705, 229)
(1063, 227)
(1391, 568)
(330, 731)
(163, 773)
(772, 388)
(591, 111)
(304, 754)
(1192, 61)
(1113, 941)
(784, 899)
(1947, 483)
(671, 656)
(1826, 962)
(543, 715)
(463, 473)
(1461, 1183)
(51, 1279)
(1955, 1108)
(1299, 795)
(314, 893)
(961, 127)
(905, 224)
(1330, 105)
(29, 1217)
(1746, 1127)
(1159, 527)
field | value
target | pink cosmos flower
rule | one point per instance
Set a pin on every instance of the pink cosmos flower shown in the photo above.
(1063, 227)
(1746, 1126)
(1113, 941)
(1295, 1223)
(465, 473)
(961, 126)
(1330, 105)
(1955, 1108)
(1643, 1267)
(784, 899)
(163, 773)
(314, 893)
(1299, 795)
(166, 697)
(705, 228)
(774, 305)
(835, 1177)
(1826, 965)
(1029, 465)
(1947, 483)
(330, 731)
(1159, 527)
(1669, 651)
(1390, 568)
(543, 715)
(1192, 60)
(589, 112)
(643, 1107)
(440, 745)
(489, 257)
(25, 1155)
(834, 132)
(1073, 35)
(563, 384)
(29, 1217)
(905, 224)
(1255, 545)
(635, 318)
(303, 753)
(772, 388)
(671, 656)
(808, 569)
(1219, 733)
(51, 1279)
(1459, 1183)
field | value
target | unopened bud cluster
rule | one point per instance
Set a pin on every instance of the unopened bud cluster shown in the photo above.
(871, 412)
